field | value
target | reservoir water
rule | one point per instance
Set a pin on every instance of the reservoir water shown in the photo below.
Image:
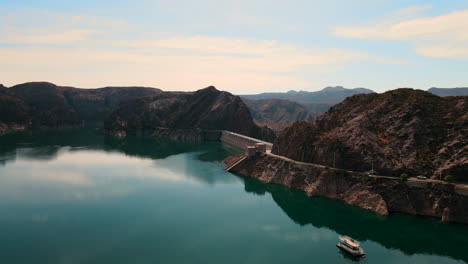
(78, 196)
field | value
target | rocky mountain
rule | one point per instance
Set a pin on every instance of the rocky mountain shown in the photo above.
(42, 104)
(185, 115)
(277, 114)
(14, 112)
(318, 102)
(463, 91)
(400, 131)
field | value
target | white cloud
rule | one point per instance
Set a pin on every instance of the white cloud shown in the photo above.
(92, 52)
(46, 27)
(183, 63)
(444, 36)
(411, 11)
(443, 51)
(71, 36)
(37, 175)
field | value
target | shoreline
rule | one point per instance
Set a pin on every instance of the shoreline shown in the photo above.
(382, 195)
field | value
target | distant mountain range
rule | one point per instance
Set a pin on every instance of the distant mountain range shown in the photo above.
(126, 110)
(461, 91)
(279, 110)
(278, 114)
(42, 104)
(316, 102)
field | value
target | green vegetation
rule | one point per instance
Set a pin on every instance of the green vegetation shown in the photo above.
(448, 178)
(404, 177)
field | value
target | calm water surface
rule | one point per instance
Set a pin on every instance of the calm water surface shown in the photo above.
(80, 197)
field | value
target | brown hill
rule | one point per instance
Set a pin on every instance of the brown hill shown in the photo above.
(42, 104)
(13, 112)
(47, 104)
(205, 109)
(400, 131)
(277, 113)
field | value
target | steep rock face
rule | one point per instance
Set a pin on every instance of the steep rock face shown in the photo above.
(400, 131)
(277, 113)
(206, 109)
(381, 195)
(42, 104)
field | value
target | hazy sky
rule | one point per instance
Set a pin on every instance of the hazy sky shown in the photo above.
(243, 46)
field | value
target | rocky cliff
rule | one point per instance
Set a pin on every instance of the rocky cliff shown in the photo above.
(278, 114)
(187, 114)
(45, 105)
(379, 194)
(400, 131)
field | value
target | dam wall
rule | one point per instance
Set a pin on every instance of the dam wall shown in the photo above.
(241, 141)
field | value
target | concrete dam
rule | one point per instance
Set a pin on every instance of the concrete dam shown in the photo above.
(241, 141)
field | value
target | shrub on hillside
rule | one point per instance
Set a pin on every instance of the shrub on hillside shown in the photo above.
(404, 176)
(448, 178)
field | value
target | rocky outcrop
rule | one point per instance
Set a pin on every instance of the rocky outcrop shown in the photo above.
(382, 195)
(206, 109)
(278, 114)
(400, 131)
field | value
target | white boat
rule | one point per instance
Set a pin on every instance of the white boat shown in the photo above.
(350, 246)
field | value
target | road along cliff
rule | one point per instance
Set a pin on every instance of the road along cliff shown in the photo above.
(382, 195)
(399, 131)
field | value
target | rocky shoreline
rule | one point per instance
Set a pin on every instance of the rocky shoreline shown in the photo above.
(173, 134)
(5, 129)
(381, 195)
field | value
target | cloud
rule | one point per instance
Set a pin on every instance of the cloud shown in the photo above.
(180, 63)
(410, 12)
(71, 36)
(443, 36)
(37, 174)
(46, 27)
(85, 51)
(456, 51)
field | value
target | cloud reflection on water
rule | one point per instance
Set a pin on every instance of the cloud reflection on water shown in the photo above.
(80, 174)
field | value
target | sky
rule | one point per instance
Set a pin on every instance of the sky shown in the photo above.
(242, 46)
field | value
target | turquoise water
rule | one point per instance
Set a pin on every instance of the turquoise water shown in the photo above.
(80, 197)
